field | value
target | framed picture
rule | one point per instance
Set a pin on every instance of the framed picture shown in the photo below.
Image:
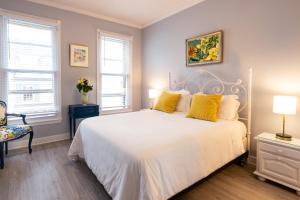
(204, 49)
(79, 55)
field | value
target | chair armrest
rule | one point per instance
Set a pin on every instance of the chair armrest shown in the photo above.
(18, 115)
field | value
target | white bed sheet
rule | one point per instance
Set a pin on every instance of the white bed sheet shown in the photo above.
(151, 155)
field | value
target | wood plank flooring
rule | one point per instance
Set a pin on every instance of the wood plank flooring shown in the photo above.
(47, 174)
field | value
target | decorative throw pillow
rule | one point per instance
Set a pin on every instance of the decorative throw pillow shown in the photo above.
(167, 102)
(184, 103)
(205, 107)
(229, 107)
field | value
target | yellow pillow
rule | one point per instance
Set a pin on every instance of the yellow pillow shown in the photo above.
(167, 102)
(205, 107)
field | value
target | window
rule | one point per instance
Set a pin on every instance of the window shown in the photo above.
(114, 83)
(30, 72)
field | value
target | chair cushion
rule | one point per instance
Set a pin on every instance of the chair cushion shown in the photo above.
(13, 131)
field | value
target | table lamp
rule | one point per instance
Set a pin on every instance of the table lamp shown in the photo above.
(152, 94)
(285, 105)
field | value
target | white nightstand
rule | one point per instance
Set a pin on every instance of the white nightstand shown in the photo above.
(278, 160)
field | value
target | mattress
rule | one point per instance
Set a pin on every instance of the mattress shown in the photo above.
(151, 155)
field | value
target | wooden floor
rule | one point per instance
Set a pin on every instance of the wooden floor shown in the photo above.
(48, 174)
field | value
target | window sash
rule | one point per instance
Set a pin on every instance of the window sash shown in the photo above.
(124, 95)
(126, 60)
(54, 27)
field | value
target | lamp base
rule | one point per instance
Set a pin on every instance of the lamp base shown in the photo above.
(282, 136)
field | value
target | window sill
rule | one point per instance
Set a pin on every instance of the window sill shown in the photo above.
(119, 111)
(36, 120)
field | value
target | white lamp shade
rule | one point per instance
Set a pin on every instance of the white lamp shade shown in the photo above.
(285, 105)
(153, 93)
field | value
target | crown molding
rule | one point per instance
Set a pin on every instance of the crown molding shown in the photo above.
(171, 12)
(112, 19)
(85, 12)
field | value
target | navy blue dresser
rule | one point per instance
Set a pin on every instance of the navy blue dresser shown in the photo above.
(81, 111)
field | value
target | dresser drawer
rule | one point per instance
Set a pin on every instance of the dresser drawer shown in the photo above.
(279, 168)
(279, 150)
(86, 113)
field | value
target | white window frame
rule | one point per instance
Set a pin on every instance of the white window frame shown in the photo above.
(99, 74)
(43, 119)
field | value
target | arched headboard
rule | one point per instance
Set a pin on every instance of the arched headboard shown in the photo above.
(206, 82)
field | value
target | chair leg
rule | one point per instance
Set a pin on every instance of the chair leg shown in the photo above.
(1, 156)
(30, 141)
(6, 148)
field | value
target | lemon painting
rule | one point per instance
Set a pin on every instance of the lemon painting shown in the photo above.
(205, 49)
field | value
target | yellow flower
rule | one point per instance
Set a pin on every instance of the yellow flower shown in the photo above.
(212, 54)
(204, 41)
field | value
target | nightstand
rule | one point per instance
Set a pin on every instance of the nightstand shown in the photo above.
(278, 160)
(81, 111)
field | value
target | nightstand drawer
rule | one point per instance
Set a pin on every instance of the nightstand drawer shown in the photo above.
(279, 150)
(279, 168)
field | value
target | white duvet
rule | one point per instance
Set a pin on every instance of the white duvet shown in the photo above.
(151, 155)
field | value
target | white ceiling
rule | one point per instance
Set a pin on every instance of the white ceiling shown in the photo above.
(137, 13)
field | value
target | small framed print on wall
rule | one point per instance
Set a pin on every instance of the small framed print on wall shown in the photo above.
(79, 55)
(204, 49)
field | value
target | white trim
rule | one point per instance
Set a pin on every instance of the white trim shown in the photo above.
(36, 121)
(86, 12)
(58, 70)
(250, 72)
(130, 73)
(118, 111)
(31, 18)
(38, 141)
(118, 35)
(46, 119)
(171, 12)
(1, 57)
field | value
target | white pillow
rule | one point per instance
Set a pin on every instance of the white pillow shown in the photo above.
(184, 103)
(229, 107)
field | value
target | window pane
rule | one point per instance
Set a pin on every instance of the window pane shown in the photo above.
(28, 34)
(113, 49)
(113, 84)
(117, 102)
(41, 103)
(30, 57)
(113, 67)
(30, 92)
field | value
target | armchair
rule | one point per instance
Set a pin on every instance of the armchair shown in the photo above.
(12, 132)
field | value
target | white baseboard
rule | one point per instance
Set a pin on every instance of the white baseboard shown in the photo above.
(37, 141)
(252, 160)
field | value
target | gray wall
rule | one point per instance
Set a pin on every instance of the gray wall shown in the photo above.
(262, 34)
(80, 29)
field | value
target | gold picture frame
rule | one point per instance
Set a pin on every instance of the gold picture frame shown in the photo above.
(205, 49)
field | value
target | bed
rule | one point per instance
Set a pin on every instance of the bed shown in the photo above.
(151, 155)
